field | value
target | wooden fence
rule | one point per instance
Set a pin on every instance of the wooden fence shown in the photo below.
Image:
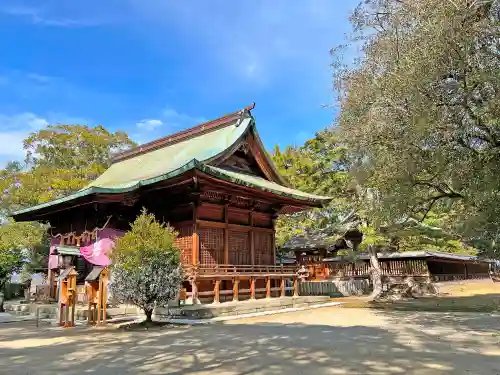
(335, 288)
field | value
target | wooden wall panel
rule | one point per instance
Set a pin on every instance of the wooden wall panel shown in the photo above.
(262, 220)
(210, 211)
(237, 216)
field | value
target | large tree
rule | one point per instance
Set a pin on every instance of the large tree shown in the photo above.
(60, 160)
(419, 111)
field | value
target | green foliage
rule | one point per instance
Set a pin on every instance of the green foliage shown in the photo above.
(419, 112)
(60, 160)
(17, 240)
(146, 239)
(321, 167)
(146, 270)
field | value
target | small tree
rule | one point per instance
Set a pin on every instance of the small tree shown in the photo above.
(146, 270)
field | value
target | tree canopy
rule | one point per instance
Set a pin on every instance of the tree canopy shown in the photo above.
(60, 160)
(419, 111)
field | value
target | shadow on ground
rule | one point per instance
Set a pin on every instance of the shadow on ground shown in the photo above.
(474, 303)
(413, 343)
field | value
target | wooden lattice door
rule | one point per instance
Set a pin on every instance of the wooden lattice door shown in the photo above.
(263, 243)
(239, 248)
(211, 245)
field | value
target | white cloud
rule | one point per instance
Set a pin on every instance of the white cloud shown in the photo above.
(169, 121)
(13, 130)
(177, 120)
(149, 124)
(53, 14)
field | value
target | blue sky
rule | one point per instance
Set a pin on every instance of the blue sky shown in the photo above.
(153, 67)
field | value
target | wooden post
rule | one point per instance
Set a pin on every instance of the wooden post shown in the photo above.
(268, 287)
(252, 288)
(88, 288)
(194, 293)
(226, 234)
(466, 274)
(103, 286)
(99, 311)
(196, 237)
(252, 241)
(295, 287)
(282, 287)
(217, 291)
(236, 290)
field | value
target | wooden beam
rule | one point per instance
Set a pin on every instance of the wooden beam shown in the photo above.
(282, 287)
(268, 287)
(295, 287)
(239, 227)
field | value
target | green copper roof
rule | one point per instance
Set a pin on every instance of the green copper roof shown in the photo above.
(259, 183)
(68, 250)
(175, 159)
(128, 173)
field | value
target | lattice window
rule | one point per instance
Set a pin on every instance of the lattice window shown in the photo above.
(185, 244)
(212, 196)
(239, 248)
(263, 247)
(211, 245)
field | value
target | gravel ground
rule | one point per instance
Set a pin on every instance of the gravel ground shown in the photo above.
(322, 341)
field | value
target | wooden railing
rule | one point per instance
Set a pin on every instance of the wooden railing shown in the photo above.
(205, 270)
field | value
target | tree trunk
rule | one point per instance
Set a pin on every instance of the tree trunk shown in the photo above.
(2, 297)
(376, 274)
(148, 313)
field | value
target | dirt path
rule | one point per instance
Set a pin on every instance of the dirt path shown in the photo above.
(316, 342)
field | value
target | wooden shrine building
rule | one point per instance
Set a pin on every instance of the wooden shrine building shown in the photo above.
(214, 183)
(320, 258)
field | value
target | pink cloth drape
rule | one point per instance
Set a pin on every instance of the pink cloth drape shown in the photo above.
(96, 253)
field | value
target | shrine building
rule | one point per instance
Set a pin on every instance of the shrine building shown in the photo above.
(214, 183)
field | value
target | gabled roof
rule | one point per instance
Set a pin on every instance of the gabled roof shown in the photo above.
(200, 148)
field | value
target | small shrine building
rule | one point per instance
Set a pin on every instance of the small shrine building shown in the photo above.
(214, 183)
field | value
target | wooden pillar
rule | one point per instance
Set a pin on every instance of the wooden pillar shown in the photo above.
(104, 295)
(194, 292)
(217, 291)
(196, 237)
(252, 288)
(236, 289)
(282, 287)
(295, 287)
(252, 240)
(466, 274)
(268, 287)
(226, 234)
